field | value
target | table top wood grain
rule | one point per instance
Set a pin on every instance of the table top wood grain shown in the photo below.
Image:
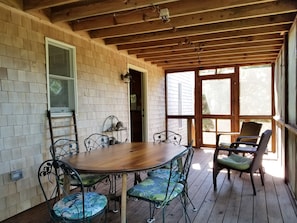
(125, 157)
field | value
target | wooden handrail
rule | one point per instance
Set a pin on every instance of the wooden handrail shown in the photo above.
(290, 127)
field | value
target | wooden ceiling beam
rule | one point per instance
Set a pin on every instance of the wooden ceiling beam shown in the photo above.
(200, 65)
(232, 14)
(213, 57)
(222, 62)
(209, 55)
(214, 53)
(42, 4)
(101, 8)
(205, 33)
(212, 43)
(211, 48)
(278, 29)
(239, 47)
(115, 19)
(179, 8)
(216, 58)
(207, 66)
(205, 29)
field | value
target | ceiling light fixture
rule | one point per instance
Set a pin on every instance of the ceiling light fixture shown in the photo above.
(164, 15)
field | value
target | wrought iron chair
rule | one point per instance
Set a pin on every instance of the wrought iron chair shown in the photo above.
(160, 191)
(233, 161)
(174, 138)
(96, 141)
(68, 147)
(162, 137)
(67, 205)
(101, 141)
(249, 132)
(167, 136)
(163, 172)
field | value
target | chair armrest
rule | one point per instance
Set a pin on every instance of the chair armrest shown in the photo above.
(237, 150)
(217, 152)
(218, 149)
(227, 149)
(224, 133)
(249, 147)
(237, 144)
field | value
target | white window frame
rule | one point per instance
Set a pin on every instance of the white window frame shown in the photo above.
(73, 74)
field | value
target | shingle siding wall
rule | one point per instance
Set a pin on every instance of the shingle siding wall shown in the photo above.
(24, 135)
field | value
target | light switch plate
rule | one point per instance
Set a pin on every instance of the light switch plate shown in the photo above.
(16, 175)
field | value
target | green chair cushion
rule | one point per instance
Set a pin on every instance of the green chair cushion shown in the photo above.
(154, 189)
(236, 161)
(89, 180)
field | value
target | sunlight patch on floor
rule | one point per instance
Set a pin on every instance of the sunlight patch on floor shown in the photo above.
(272, 165)
(273, 168)
(196, 166)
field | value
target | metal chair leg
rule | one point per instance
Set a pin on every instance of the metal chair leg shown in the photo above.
(189, 199)
(112, 192)
(152, 214)
(191, 202)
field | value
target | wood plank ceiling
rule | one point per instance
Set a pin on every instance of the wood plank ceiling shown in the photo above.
(197, 33)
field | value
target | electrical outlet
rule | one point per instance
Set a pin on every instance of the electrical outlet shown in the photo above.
(16, 175)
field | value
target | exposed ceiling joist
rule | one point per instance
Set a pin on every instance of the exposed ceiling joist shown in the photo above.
(226, 15)
(93, 8)
(194, 33)
(148, 14)
(204, 29)
(278, 29)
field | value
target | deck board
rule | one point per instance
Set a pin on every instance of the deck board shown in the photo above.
(233, 202)
(233, 206)
(284, 202)
(273, 208)
(260, 210)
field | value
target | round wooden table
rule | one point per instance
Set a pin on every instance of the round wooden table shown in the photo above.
(125, 158)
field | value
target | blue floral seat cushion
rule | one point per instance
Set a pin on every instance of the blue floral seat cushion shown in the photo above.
(71, 208)
(236, 161)
(164, 174)
(164, 171)
(154, 189)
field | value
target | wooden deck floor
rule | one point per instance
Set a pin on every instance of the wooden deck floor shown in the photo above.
(233, 201)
